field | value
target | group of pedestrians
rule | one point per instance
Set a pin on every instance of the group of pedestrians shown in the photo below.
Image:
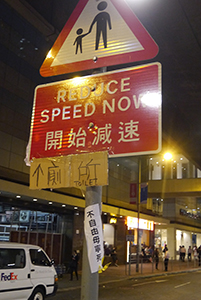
(182, 253)
(157, 253)
(192, 252)
(73, 265)
(154, 253)
(196, 252)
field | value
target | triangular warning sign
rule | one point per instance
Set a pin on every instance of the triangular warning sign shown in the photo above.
(99, 34)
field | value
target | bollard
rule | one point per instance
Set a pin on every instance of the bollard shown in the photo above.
(152, 265)
(141, 264)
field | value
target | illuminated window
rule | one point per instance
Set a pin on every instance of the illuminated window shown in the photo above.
(174, 171)
(184, 171)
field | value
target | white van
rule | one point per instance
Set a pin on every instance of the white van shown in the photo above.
(26, 272)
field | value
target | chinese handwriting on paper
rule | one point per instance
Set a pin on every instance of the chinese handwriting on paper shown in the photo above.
(95, 235)
(52, 174)
(87, 173)
(37, 172)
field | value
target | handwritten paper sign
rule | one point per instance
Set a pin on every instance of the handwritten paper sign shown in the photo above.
(94, 237)
(88, 169)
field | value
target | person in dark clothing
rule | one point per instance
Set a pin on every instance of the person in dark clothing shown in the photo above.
(180, 253)
(199, 255)
(107, 250)
(74, 265)
(166, 257)
(143, 253)
(114, 256)
(190, 251)
(156, 257)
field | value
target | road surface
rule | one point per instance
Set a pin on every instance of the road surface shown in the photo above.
(183, 286)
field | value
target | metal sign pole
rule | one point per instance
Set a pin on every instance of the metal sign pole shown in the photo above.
(129, 273)
(90, 281)
(138, 212)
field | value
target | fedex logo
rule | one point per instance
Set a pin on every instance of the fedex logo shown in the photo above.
(11, 276)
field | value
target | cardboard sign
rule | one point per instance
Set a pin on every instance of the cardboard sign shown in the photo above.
(90, 169)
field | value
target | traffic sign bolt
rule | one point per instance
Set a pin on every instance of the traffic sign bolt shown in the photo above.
(91, 125)
(95, 58)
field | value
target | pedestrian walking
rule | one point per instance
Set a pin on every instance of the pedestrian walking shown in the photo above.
(160, 250)
(190, 250)
(183, 253)
(180, 253)
(156, 257)
(74, 265)
(199, 255)
(195, 253)
(114, 256)
(166, 257)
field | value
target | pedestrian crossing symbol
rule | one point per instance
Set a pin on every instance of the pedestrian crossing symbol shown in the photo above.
(99, 34)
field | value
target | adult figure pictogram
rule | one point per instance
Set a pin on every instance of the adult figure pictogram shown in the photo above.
(102, 20)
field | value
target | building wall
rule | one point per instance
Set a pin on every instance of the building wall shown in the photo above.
(169, 210)
(198, 240)
(120, 240)
(171, 241)
(78, 234)
(13, 152)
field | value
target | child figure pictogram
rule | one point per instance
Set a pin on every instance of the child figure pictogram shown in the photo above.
(78, 40)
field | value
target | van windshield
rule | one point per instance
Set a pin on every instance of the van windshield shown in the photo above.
(39, 258)
(12, 258)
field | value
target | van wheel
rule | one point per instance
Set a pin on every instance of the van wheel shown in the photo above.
(38, 294)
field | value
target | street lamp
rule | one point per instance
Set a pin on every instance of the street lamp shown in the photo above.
(167, 156)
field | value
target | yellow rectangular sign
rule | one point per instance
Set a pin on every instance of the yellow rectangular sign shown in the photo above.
(80, 170)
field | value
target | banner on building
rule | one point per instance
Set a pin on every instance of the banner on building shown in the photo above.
(144, 193)
(94, 237)
(133, 193)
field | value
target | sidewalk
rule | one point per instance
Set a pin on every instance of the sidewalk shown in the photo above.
(123, 272)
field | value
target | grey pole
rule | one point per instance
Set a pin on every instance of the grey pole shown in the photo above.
(138, 212)
(129, 273)
(90, 281)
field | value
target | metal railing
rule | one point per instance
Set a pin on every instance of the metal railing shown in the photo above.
(173, 265)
